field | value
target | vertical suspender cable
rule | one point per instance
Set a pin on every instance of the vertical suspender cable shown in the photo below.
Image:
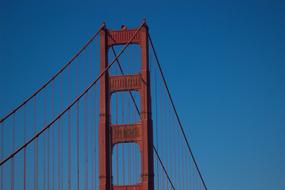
(62, 125)
(183, 170)
(90, 151)
(69, 147)
(95, 141)
(25, 151)
(156, 125)
(59, 144)
(134, 174)
(183, 174)
(36, 145)
(69, 151)
(77, 142)
(192, 178)
(77, 129)
(117, 147)
(94, 146)
(128, 148)
(61, 157)
(48, 159)
(13, 147)
(53, 138)
(163, 182)
(123, 153)
(86, 141)
(58, 154)
(165, 126)
(44, 146)
(129, 56)
(2, 156)
(117, 122)
(86, 130)
(91, 129)
(53, 158)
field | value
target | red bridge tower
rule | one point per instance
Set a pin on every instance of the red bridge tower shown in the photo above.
(141, 132)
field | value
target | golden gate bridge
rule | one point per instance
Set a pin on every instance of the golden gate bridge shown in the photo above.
(106, 120)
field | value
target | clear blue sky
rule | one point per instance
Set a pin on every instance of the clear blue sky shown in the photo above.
(229, 56)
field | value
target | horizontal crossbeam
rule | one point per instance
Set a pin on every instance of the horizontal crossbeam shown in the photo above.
(125, 83)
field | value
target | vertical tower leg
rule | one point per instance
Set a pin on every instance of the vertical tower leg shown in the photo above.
(104, 140)
(147, 155)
